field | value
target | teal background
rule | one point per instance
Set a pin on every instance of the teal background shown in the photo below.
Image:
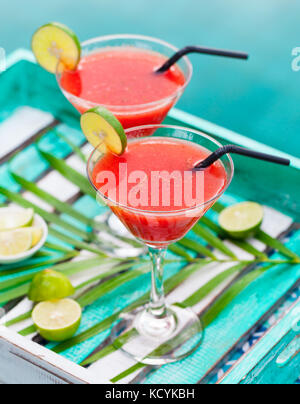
(259, 98)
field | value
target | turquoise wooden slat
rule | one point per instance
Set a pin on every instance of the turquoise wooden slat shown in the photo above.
(32, 171)
(106, 306)
(254, 180)
(227, 329)
(271, 361)
(259, 97)
(249, 184)
(228, 135)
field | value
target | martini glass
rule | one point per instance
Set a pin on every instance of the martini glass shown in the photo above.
(142, 113)
(174, 329)
(130, 115)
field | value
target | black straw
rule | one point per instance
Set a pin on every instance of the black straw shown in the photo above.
(199, 49)
(243, 152)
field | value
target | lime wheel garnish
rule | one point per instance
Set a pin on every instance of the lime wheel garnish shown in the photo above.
(54, 43)
(103, 130)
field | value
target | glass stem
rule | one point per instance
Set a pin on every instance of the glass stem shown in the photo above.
(157, 305)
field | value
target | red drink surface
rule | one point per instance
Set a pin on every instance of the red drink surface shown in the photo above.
(124, 77)
(153, 220)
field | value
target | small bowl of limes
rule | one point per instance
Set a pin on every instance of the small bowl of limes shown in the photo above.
(22, 234)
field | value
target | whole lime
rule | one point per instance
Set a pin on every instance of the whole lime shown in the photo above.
(50, 285)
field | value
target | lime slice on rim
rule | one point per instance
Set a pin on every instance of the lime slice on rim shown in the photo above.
(55, 42)
(57, 320)
(15, 242)
(11, 219)
(50, 285)
(242, 220)
(102, 128)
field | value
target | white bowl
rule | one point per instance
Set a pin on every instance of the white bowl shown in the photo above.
(38, 222)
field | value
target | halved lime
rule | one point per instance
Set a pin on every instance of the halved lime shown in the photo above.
(15, 242)
(57, 320)
(242, 220)
(54, 43)
(102, 128)
(37, 234)
(50, 285)
(11, 219)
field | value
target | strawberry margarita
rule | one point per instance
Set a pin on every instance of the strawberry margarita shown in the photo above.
(155, 175)
(123, 79)
(152, 188)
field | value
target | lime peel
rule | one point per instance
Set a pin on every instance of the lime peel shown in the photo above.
(50, 285)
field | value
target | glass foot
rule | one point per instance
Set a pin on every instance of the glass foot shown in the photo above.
(159, 340)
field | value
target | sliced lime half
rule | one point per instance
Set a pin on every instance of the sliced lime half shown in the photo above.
(50, 285)
(15, 242)
(57, 320)
(54, 43)
(102, 128)
(242, 220)
(11, 219)
(37, 234)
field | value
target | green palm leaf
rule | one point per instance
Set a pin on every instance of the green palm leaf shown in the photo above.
(23, 276)
(181, 252)
(106, 287)
(77, 150)
(56, 247)
(19, 319)
(109, 349)
(27, 331)
(170, 284)
(91, 332)
(276, 245)
(95, 293)
(103, 275)
(62, 207)
(213, 241)
(211, 285)
(70, 174)
(266, 238)
(75, 243)
(68, 269)
(190, 301)
(244, 245)
(218, 207)
(49, 217)
(197, 247)
(207, 319)
(231, 294)
(14, 293)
